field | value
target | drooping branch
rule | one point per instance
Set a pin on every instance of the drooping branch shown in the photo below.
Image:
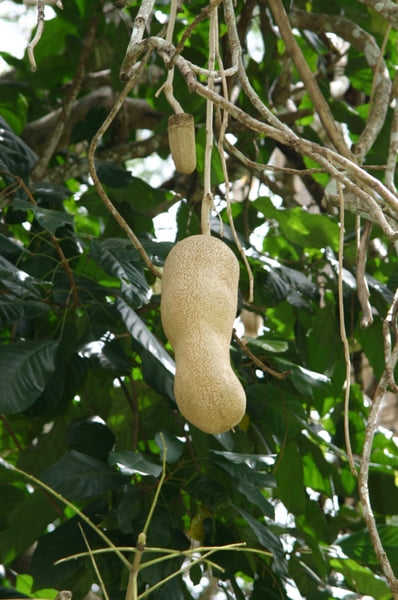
(386, 8)
(364, 43)
(393, 145)
(93, 170)
(320, 104)
(362, 286)
(139, 115)
(391, 359)
(344, 339)
(36, 38)
(137, 33)
(355, 179)
(207, 200)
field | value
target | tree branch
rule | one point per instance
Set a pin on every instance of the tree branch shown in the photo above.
(362, 286)
(88, 42)
(320, 104)
(386, 8)
(365, 43)
(363, 480)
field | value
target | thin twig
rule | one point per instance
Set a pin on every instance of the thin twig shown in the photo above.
(167, 87)
(39, 32)
(132, 586)
(362, 285)
(55, 242)
(393, 145)
(93, 171)
(68, 270)
(320, 104)
(390, 323)
(259, 363)
(220, 145)
(207, 200)
(94, 563)
(74, 508)
(344, 339)
(363, 480)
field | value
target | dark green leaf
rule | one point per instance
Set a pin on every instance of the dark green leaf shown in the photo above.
(76, 476)
(25, 523)
(302, 228)
(174, 447)
(361, 578)
(25, 368)
(91, 436)
(15, 156)
(131, 462)
(51, 220)
(246, 470)
(158, 366)
(263, 533)
(65, 540)
(358, 546)
(119, 259)
(290, 479)
(110, 174)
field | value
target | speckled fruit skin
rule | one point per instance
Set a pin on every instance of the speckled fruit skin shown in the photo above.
(198, 308)
(181, 132)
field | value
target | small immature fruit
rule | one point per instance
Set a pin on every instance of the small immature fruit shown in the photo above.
(198, 308)
(181, 130)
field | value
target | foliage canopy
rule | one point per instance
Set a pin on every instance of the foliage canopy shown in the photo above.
(308, 101)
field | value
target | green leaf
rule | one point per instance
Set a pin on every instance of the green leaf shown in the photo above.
(359, 545)
(15, 156)
(158, 366)
(131, 462)
(207, 490)
(110, 174)
(290, 479)
(305, 380)
(90, 436)
(254, 496)
(25, 369)
(245, 468)
(65, 540)
(361, 578)
(118, 258)
(174, 446)
(18, 282)
(263, 533)
(268, 344)
(50, 195)
(49, 219)
(76, 475)
(25, 523)
(11, 309)
(302, 228)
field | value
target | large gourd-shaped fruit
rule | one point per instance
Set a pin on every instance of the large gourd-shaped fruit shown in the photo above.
(198, 308)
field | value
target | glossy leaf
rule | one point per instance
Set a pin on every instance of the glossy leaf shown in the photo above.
(77, 475)
(158, 366)
(134, 462)
(50, 220)
(25, 369)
